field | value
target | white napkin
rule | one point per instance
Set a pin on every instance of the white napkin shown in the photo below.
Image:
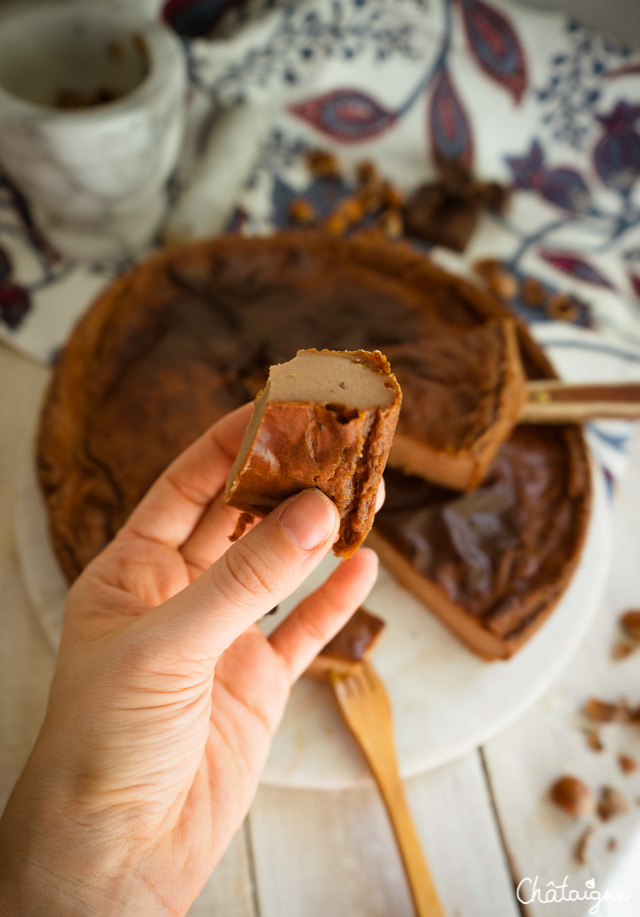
(527, 97)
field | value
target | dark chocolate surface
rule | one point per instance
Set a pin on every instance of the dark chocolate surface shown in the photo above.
(494, 547)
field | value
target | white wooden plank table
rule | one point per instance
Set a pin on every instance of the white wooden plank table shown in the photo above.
(484, 821)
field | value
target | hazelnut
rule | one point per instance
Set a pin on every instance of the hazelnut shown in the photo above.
(335, 224)
(503, 284)
(366, 172)
(573, 796)
(485, 267)
(393, 196)
(630, 623)
(563, 307)
(371, 197)
(323, 164)
(302, 212)
(611, 803)
(351, 210)
(627, 764)
(532, 292)
(583, 843)
(390, 222)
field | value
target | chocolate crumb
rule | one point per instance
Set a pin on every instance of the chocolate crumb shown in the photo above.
(611, 803)
(602, 711)
(434, 216)
(563, 307)
(302, 212)
(533, 293)
(612, 844)
(503, 284)
(371, 197)
(390, 223)
(351, 210)
(583, 844)
(366, 172)
(594, 741)
(244, 520)
(485, 267)
(393, 196)
(630, 623)
(621, 650)
(335, 225)
(323, 164)
(627, 764)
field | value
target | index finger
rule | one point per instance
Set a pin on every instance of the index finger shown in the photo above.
(176, 502)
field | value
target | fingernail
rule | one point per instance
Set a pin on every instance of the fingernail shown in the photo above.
(309, 519)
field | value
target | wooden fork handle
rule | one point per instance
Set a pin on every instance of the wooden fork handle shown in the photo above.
(423, 891)
(550, 401)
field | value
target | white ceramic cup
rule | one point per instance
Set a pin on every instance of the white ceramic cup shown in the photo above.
(95, 175)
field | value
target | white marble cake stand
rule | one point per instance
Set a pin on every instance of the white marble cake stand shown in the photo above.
(445, 700)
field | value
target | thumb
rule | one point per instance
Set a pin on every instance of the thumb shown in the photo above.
(256, 573)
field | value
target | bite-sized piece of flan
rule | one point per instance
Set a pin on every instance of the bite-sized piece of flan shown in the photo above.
(324, 419)
(350, 646)
(190, 334)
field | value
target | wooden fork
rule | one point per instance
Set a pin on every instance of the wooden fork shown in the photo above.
(365, 706)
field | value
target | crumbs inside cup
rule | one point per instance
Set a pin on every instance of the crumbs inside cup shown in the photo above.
(71, 64)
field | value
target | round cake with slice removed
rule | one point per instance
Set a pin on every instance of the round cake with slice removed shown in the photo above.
(190, 334)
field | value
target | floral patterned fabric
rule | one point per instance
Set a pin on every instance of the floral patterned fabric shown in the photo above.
(530, 98)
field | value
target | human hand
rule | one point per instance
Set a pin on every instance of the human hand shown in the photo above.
(166, 694)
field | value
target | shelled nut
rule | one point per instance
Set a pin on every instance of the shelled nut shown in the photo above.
(573, 796)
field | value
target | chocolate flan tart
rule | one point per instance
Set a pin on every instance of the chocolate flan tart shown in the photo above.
(190, 334)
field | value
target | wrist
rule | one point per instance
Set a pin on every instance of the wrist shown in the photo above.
(49, 864)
